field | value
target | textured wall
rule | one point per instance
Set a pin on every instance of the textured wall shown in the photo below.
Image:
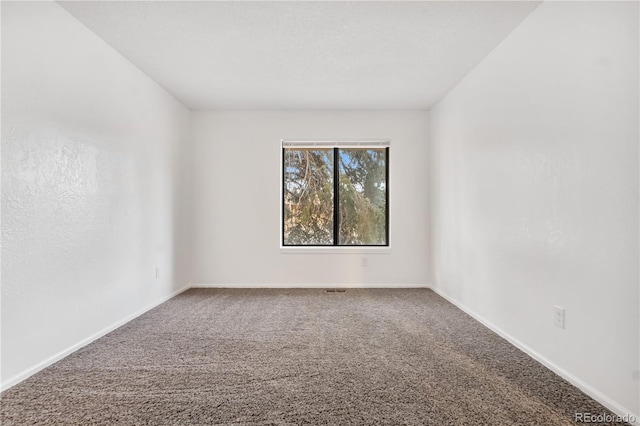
(90, 168)
(237, 198)
(535, 191)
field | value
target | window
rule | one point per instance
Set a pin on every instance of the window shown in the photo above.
(335, 194)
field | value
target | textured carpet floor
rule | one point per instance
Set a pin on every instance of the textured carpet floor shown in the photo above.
(298, 356)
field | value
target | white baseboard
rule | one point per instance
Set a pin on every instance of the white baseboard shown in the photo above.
(57, 357)
(332, 285)
(584, 387)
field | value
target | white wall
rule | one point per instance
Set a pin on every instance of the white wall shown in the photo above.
(90, 173)
(237, 198)
(535, 192)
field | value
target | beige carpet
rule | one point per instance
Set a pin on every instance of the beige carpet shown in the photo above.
(298, 356)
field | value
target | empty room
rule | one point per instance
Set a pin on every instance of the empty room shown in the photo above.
(320, 212)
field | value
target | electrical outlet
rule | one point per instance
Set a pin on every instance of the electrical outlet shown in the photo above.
(558, 316)
(157, 272)
(364, 261)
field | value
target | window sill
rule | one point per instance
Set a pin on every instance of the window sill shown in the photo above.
(335, 250)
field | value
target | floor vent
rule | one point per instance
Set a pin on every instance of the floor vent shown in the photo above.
(336, 290)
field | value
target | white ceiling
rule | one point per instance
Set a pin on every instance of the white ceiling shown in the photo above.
(308, 55)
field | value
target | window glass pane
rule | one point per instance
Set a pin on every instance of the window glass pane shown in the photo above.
(363, 196)
(308, 196)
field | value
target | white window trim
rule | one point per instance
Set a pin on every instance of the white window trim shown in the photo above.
(341, 143)
(334, 250)
(344, 143)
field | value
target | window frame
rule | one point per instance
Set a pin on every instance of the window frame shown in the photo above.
(335, 247)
